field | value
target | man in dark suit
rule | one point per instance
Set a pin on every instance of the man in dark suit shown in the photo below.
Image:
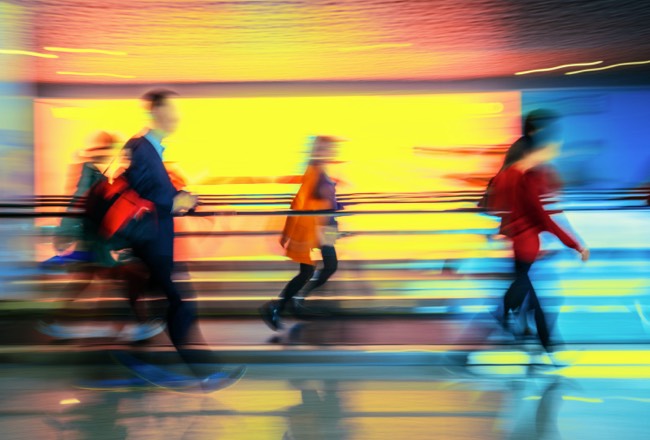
(148, 177)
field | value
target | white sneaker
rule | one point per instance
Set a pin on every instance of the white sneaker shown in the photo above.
(141, 332)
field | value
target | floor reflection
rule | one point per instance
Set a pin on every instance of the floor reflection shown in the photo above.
(293, 401)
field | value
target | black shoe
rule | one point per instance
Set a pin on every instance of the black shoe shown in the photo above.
(271, 316)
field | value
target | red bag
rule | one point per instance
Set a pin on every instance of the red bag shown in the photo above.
(117, 212)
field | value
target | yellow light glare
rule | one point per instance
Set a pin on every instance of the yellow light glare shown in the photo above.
(631, 63)
(69, 402)
(608, 372)
(605, 357)
(75, 50)
(581, 399)
(26, 53)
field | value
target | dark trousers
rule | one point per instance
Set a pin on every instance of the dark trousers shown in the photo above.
(514, 297)
(330, 264)
(181, 315)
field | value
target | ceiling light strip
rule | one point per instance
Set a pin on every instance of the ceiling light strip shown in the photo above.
(563, 66)
(631, 63)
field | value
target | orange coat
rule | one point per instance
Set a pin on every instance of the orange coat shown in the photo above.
(302, 231)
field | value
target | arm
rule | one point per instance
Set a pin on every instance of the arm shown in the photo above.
(533, 192)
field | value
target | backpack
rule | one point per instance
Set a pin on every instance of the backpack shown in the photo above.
(494, 200)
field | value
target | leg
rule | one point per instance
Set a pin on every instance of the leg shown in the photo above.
(526, 248)
(181, 315)
(137, 281)
(518, 290)
(294, 286)
(330, 265)
(272, 311)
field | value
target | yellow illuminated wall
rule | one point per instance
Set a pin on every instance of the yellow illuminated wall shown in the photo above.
(394, 144)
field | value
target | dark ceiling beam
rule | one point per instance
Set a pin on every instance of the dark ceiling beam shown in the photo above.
(315, 88)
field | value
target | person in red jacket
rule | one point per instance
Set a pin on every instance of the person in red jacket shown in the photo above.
(518, 191)
(537, 122)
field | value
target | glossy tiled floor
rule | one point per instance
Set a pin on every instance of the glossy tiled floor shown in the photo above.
(329, 402)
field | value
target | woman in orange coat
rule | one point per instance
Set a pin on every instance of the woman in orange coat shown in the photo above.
(303, 233)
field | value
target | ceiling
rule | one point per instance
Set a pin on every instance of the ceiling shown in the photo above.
(313, 40)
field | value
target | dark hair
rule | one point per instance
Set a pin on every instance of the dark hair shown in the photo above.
(157, 98)
(517, 150)
(539, 119)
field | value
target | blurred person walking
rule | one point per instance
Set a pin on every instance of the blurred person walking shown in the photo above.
(93, 257)
(148, 177)
(302, 233)
(536, 124)
(517, 192)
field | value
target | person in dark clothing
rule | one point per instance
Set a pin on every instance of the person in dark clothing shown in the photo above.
(148, 177)
(154, 246)
(301, 234)
(518, 189)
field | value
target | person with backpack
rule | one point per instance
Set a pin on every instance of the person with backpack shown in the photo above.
(94, 257)
(535, 123)
(516, 194)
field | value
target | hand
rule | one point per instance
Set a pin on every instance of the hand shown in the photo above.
(283, 241)
(195, 201)
(585, 254)
(184, 202)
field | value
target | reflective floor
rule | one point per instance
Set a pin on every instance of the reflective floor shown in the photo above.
(405, 346)
(290, 401)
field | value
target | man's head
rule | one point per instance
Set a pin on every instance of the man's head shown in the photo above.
(163, 111)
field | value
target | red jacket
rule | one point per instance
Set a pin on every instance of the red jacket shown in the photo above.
(520, 195)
